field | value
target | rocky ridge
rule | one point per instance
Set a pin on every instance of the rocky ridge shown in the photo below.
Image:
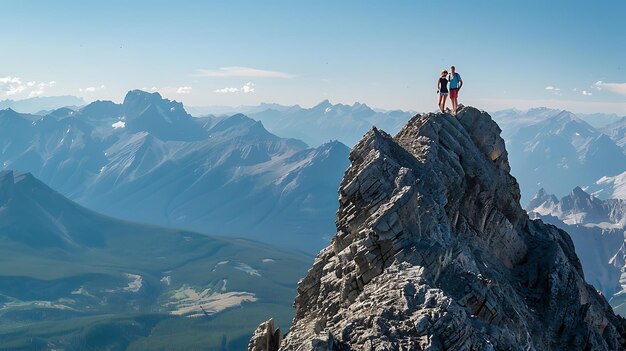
(597, 228)
(434, 252)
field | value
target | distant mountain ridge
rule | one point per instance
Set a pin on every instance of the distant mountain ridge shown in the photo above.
(225, 175)
(617, 131)
(326, 121)
(556, 150)
(42, 103)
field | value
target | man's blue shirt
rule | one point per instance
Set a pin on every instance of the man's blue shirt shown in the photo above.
(454, 80)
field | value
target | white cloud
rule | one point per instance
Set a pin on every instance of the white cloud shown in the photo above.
(587, 93)
(550, 87)
(41, 87)
(247, 88)
(12, 85)
(617, 88)
(10, 80)
(91, 89)
(184, 90)
(227, 90)
(241, 72)
(15, 86)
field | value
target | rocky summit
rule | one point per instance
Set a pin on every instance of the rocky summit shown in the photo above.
(434, 252)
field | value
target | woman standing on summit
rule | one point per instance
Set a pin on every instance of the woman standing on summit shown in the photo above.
(442, 89)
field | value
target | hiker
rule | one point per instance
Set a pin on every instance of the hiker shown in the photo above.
(442, 89)
(455, 85)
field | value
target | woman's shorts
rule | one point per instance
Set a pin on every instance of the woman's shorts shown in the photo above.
(443, 94)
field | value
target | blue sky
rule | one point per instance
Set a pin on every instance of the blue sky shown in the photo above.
(563, 54)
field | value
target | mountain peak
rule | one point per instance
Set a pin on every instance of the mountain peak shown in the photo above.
(433, 249)
(163, 118)
(578, 190)
(323, 105)
(141, 94)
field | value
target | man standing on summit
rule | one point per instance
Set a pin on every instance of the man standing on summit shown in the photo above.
(455, 85)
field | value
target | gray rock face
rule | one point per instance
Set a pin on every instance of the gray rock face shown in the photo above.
(597, 228)
(265, 337)
(434, 252)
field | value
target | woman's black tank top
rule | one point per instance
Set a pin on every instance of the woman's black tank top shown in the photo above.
(444, 85)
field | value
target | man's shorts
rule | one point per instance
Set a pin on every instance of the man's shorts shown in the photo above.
(454, 93)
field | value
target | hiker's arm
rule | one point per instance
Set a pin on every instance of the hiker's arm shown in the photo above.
(438, 85)
(460, 83)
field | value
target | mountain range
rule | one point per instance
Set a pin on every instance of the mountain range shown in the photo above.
(148, 160)
(41, 104)
(326, 121)
(556, 150)
(73, 279)
(318, 124)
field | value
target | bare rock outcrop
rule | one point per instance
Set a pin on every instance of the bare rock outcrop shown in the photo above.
(434, 252)
(266, 337)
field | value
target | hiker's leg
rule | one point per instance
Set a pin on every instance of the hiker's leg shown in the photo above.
(443, 104)
(439, 102)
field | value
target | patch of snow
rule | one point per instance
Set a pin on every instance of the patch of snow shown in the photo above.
(246, 268)
(167, 280)
(135, 284)
(81, 291)
(21, 305)
(190, 302)
(267, 260)
(118, 124)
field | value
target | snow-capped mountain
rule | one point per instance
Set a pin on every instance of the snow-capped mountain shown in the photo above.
(556, 150)
(609, 187)
(617, 132)
(148, 160)
(325, 121)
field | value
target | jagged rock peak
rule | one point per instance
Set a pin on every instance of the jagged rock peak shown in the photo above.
(434, 252)
(266, 337)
